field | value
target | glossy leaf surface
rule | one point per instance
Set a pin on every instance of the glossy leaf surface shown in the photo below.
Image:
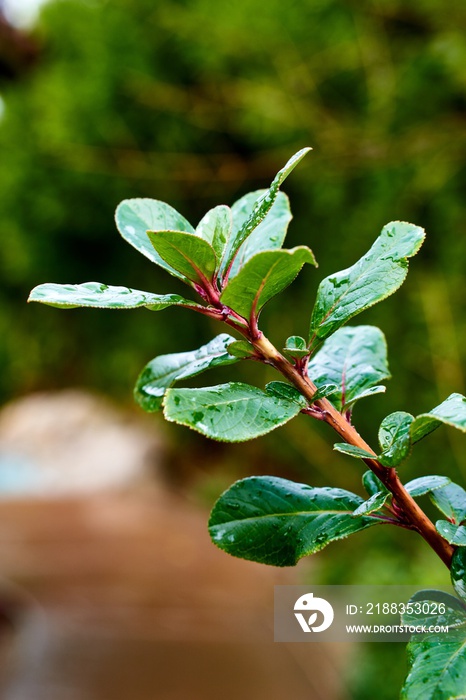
(231, 412)
(437, 667)
(379, 273)
(372, 483)
(283, 390)
(262, 206)
(394, 438)
(268, 235)
(324, 391)
(263, 276)
(103, 296)
(458, 572)
(277, 522)
(353, 451)
(379, 389)
(354, 358)
(452, 412)
(215, 228)
(135, 217)
(165, 370)
(454, 534)
(295, 347)
(241, 349)
(425, 484)
(451, 501)
(454, 614)
(186, 253)
(373, 504)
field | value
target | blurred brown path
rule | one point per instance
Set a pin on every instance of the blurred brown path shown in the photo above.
(129, 600)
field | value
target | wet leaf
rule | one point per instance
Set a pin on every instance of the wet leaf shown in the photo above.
(277, 522)
(283, 390)
(263, 276)
(379, 273)
(215, 228)
(418, 613)
(451, 501)
(373, 504)
(241, 349)
(186, 253)
(324, 391)
(353, 451)
(232, 412)
(295, 347)
(437, 667)
(103, 296)
(454, 534)
(458, 572)
(425, 484)
(165, 370)
(451, 412)
(372, 483)
(394, 438)
(354, 358)
(135, 217)
(261, 208)
(268, 235)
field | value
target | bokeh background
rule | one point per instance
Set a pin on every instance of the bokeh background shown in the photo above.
(196, 103)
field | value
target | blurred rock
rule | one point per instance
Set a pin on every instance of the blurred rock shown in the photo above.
(117, 592)
(72, 442)
(129, 600)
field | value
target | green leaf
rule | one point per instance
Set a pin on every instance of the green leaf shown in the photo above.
(283, 390)
(277, 522)
(451, 501)
(186, 253)
(379, 273)
(215, 228)
(458, 572)
(231, 412)
(353, 451)
(380, 389)
(372, 483)
(241, 349)
(438, 667)
(454, 534)
(135, 217)
(165, 370)
(295, 346)
(425, 484)
(354, 358)
(323, 391)
(102, 296)
(265, 275)
(454, 614)
(374, 503)
(262, 206)
(394, 438)
(269, 235)
(452, 412)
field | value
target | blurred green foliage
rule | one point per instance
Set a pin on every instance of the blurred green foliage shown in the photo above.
(196, 103)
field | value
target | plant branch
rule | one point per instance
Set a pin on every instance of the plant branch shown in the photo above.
(414, 516)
